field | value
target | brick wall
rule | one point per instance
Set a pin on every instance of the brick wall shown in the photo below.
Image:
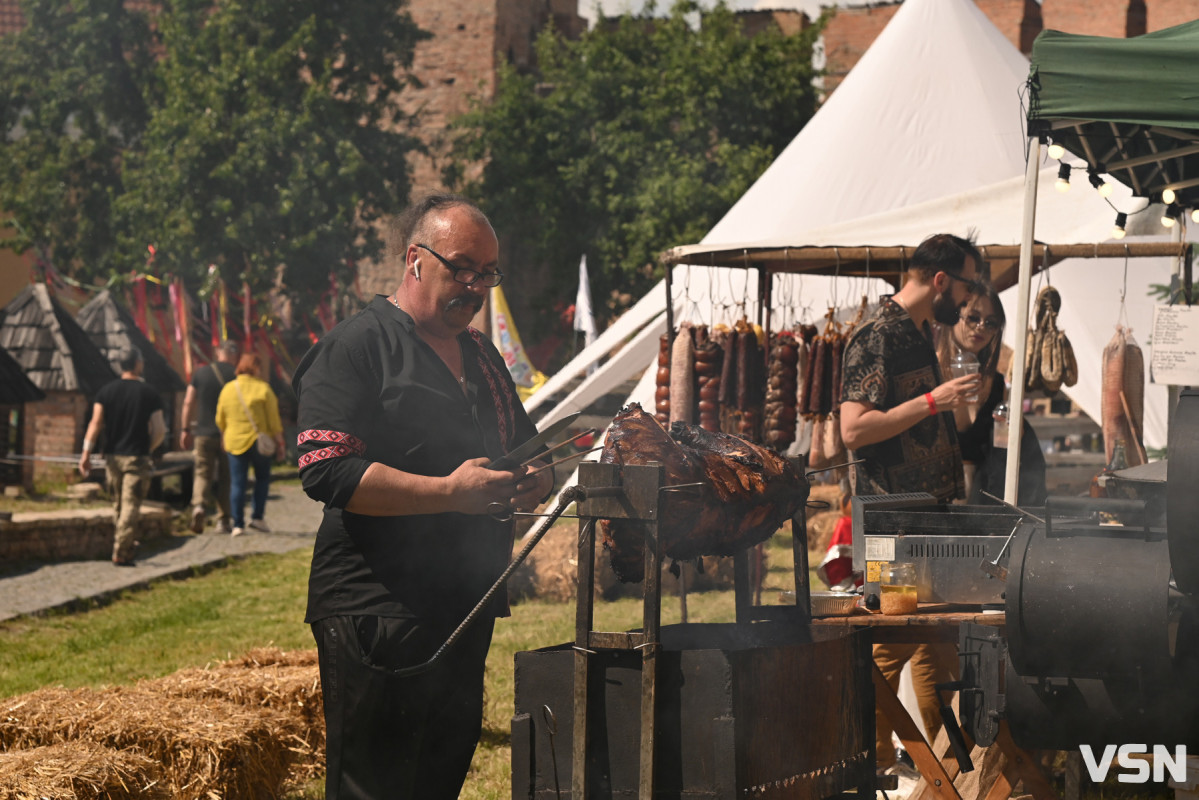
(789, 21)
(849, 35)
(55, 536)
(471, 38)
(852, 30)
(1167, 13)
(1018, 20)
(1115, 18)
(54, 427)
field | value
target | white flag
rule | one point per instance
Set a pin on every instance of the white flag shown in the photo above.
(584, 319)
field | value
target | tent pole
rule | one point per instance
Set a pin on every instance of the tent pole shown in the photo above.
(1016, 405)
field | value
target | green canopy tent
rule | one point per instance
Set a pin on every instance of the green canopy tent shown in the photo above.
(1130, 109)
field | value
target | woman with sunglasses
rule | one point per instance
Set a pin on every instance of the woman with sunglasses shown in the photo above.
(979, 330)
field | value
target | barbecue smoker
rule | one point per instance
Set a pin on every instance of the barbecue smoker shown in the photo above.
(753, 709)
(1101, 644)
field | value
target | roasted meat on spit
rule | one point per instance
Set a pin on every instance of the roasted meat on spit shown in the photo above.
(746, 491)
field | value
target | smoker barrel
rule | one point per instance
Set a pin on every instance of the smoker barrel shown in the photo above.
(1089, 601)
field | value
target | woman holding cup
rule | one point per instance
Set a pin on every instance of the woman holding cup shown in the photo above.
(973, 344)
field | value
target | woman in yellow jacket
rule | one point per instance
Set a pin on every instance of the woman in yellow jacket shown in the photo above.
(246, 408)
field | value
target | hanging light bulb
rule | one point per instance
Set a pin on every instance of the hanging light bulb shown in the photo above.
(1121, 221)
(1063, 178)
(1056, 151)
(1169, 217)
(1168, 196)
(1195, 214)
(1104, 189)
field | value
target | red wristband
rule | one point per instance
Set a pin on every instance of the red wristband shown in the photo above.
(932, 404)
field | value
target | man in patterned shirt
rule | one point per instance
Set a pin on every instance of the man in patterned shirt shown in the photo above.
(401, 408)
(894, 407)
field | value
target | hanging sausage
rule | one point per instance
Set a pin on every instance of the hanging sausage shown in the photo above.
(781, 381)
(709, 359)
(682, 377)
(1123, 396)
(662, 390)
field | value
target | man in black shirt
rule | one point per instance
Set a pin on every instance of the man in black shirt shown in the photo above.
(401, 408)
(130, 414)
(893, 405)
(212, 469)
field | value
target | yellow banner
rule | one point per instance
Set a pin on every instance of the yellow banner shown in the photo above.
(503, 334)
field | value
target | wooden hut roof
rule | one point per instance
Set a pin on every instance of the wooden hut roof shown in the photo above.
(51, 348)
(15, 388)
(112, 329)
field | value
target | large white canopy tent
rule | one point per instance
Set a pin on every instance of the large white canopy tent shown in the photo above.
(929, 111)
(993, 211)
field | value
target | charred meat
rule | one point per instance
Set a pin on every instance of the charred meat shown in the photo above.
(746, 491)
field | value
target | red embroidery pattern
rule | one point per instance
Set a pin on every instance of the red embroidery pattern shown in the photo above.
(336, 451)
(351, 441)
(504, 411)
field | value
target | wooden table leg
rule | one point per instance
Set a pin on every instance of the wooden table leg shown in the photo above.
(1023, 766)
(913, 740)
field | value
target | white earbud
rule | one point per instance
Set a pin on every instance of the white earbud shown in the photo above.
(416, 269)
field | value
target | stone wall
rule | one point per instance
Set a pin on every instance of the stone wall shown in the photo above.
(77, 534)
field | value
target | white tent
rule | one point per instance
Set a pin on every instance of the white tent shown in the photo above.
(925, 135)
(942, 77)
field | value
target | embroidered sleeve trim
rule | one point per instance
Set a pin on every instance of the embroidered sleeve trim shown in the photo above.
(348, 440)
(336, 451)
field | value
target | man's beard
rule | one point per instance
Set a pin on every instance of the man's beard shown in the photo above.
(945, 311)
(474, 302)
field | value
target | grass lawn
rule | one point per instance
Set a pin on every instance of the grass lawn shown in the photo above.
(258, 602)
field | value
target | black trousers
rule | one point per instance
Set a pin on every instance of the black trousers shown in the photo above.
(392, 738)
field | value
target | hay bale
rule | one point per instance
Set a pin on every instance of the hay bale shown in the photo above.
(79, 771)
(287, 683)
(204, 745)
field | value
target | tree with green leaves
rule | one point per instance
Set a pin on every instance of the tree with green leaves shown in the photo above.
(248, 134)
(76, 92)
(636, 137)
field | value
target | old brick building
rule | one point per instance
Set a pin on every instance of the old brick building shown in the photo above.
(459, 64)
(855, 26)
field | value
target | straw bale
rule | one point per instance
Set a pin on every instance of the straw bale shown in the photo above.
(204, 745)
(79, 771)
(286, 683)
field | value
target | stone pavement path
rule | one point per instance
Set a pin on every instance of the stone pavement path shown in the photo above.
(38, 588)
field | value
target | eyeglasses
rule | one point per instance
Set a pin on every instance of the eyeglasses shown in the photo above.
(975, 321)
(465, 275)
(973, 286)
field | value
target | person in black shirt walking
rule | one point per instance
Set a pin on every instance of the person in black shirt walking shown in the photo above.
(212, 480)
(401, 408)
(130, 414)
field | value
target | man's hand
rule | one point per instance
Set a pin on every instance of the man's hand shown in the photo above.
(473, 487)
(953, 393)
(532, 487)
(185, 439)
(85, 464)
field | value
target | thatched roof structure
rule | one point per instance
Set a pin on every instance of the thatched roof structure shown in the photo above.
(51, 348)
(112, 329)
(15, 388)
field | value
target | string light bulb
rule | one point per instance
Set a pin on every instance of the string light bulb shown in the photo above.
(1169, 217)
(1101, 186)
(1168, 196)
(1056, 151)
(1063, 178)
(1121, 220)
